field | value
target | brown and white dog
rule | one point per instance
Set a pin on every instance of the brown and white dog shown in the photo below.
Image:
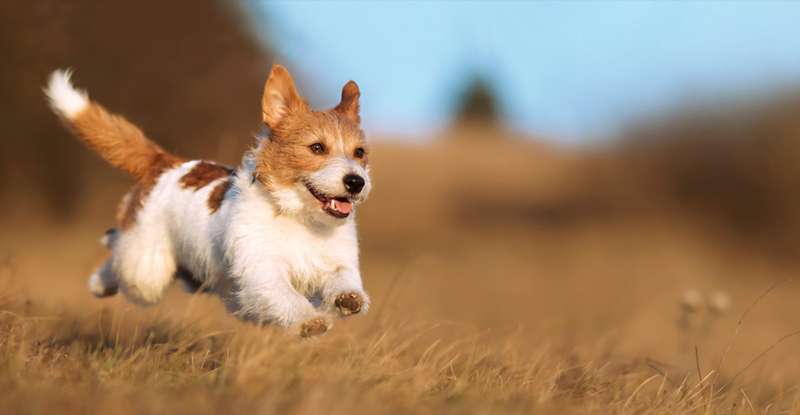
(274, 238)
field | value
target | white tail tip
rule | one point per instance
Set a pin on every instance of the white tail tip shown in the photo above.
(64, 98)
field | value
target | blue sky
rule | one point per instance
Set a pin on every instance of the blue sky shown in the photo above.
(567, 70)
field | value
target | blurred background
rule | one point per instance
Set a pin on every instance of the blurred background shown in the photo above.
(577, 172)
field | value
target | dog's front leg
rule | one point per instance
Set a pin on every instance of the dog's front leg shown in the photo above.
(266, 295)
(344, 294)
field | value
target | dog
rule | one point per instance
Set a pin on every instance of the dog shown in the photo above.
(275, 238)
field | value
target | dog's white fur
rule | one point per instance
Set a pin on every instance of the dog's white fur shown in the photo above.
(273, 257)
(64, 98)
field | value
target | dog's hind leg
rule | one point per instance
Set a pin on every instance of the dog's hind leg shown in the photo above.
(103, 282)
(145, 263)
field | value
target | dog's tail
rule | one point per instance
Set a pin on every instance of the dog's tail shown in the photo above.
(113, 137)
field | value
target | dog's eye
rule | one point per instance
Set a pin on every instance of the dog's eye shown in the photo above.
(359, 153)
(317, 148)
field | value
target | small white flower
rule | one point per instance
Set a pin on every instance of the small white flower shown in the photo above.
(719, 302)
(692, 301)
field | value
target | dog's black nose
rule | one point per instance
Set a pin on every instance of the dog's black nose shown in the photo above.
(353, 183)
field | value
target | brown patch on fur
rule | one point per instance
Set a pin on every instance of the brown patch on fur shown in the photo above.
(204, 173)
(200, 176)
(128, 206)
(133, 201)
(217, 195)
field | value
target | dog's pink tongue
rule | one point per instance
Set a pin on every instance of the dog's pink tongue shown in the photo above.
(344, 207)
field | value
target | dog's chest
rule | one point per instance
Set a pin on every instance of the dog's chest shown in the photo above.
(310, 257)
(257, 239)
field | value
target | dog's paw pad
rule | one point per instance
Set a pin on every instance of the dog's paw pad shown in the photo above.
(313, 327)
(349, 303)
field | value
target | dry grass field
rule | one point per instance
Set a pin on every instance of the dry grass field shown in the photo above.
(506, 277)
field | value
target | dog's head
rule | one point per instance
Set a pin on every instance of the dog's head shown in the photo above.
(315, 162)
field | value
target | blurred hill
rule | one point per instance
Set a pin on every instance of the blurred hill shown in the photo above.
(730, 169)
(186, 71)
(735, 166)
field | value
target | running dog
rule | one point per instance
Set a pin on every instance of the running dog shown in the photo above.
(275, 238)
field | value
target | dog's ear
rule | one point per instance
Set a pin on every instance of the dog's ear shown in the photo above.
(280, 96)
(349, 106)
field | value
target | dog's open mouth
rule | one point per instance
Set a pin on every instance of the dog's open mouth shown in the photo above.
(338, 207)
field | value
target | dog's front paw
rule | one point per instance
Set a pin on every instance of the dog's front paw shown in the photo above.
(349, 303)
(314, 327)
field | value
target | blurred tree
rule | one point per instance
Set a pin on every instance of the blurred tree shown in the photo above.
(477, 103)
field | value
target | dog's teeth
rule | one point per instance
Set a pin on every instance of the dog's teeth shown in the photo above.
(333, 204)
